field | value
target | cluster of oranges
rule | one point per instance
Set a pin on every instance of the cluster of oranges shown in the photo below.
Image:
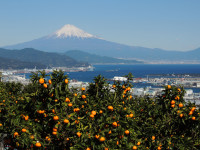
(98, 117)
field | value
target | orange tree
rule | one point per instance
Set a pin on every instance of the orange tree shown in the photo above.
(48, 114)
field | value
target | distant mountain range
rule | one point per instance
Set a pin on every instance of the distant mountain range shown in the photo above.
(37, 58)
(96, 59)
(70, 37)
(6, 63)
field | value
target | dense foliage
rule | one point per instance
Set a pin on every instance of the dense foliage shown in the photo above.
(48, 114)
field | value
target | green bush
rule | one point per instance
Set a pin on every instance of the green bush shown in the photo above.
(52, 116)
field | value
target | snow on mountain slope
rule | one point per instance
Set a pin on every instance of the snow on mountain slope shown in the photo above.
(71, 31)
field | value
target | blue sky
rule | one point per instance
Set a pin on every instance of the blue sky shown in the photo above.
(166, 24)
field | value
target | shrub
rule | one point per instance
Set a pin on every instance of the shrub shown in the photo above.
(47, 114)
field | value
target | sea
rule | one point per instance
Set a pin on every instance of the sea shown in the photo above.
(138, 71)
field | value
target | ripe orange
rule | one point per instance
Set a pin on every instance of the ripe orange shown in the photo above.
(110, 132)
(53, 110)
(32, 136)
(38, 144)
(128, 88)
(169, 86)
(131, 115)
(110, 108)
(159, 148)
(138, 143)
(88, 148)
(70, 104)
(102, 139)
(83, 97)
(105, 148)
(134, 147)
(50, 82)
(127, 132)
(41, 111)
(45, 115)
(55, 129)
(54, 133)
(114, 124)
(45, 85)
(78, 134)
(193, 108)
(97, 136)
(26, 118)
(91, 115)
(191, 112)
(76, 109)
(114, 86)
(47, 138)
(66, 121)
(172, 106)
(153, 137)
(181, 115)
(51, 95)
(180, 105)
(16, 134)
(55, 118)
(23, 130)
(66, 81)
(1, 125)
(41, 80)
(83, 89)
(193, 118)
(101, 112)
(177, 97)
(94, 112)
(173, 102)
(75, 94)
(67, 100)
(179, 90)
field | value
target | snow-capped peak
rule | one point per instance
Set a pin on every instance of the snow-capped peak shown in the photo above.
(72, 31)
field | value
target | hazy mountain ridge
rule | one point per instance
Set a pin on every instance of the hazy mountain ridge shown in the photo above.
(96, 59)
(45, 58)
(6, 63)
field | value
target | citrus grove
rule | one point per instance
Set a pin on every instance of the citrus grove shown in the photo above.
(47, 114)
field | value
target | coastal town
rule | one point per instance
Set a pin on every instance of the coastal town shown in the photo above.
(152, 85)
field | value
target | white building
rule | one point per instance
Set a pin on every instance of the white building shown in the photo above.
(116, 78)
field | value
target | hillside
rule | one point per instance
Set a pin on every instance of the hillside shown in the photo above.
(45, 58)
(96, 59)
(6, 63)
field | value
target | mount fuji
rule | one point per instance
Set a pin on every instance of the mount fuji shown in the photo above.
(70, 38)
